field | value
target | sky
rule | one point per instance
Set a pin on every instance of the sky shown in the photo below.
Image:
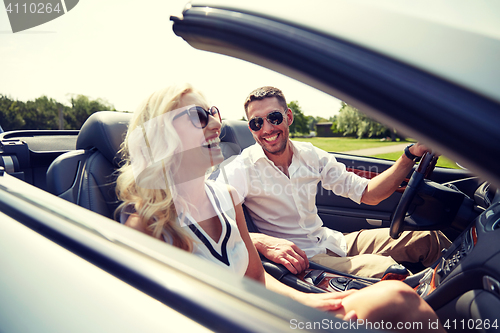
(122, 51)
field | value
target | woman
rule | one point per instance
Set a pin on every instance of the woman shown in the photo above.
(172, 140)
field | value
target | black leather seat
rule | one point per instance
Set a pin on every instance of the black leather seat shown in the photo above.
(235, 136)
(86, 176)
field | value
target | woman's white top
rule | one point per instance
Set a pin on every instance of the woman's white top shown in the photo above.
(230, 250)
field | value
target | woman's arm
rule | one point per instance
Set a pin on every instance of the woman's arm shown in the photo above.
(255, 270)
(324, 301)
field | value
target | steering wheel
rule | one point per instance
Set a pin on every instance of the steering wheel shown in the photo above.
(425, 167)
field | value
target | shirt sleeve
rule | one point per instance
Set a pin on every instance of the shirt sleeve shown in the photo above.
(336, 178)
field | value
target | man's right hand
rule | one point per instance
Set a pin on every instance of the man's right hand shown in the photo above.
(281, 251)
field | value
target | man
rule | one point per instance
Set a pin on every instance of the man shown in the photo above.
(277, 179)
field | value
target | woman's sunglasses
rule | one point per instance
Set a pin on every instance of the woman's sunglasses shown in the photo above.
(273, 118)
(199, 116)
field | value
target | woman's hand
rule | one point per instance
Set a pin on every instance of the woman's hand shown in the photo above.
(324, 301)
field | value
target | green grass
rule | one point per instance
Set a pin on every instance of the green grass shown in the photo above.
(442, 161)
(346, 144)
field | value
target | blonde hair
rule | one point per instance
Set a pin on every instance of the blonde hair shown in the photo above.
(149, 153)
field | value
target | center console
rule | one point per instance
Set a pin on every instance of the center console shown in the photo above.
(451, 258)
(467, 264)
(322, 279)
(328, 281)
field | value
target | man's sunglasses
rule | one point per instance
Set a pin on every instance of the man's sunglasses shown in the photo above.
(273, 118)
(199, 116)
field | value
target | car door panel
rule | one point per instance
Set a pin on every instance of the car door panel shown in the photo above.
(345, 215)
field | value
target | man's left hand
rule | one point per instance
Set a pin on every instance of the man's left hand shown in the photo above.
(418, 149)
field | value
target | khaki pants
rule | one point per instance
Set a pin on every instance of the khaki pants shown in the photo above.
(371, 252)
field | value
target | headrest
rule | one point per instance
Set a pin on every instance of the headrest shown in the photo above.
(237, 131)
(105, 131)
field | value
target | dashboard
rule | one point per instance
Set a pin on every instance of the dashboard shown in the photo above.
(465, 284)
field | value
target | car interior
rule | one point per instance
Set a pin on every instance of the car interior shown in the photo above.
(79, 166)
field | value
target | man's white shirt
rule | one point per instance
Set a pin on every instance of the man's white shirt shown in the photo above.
(286, 207)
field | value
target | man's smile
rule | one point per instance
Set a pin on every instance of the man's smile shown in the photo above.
(271, 138)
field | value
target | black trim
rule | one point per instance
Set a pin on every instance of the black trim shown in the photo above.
(410, 156)
(222, 258)
(416, 102)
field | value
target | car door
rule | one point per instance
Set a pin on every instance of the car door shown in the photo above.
(345, 215)
(343, 62)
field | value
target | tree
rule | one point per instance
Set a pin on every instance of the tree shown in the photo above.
(40, 114)
(83, 107)
(299, 124)
(312, 121)
(351, 121)
(334, 127)
(44, 113)
(10, 114)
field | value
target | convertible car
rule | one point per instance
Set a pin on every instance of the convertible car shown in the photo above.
(67, 265)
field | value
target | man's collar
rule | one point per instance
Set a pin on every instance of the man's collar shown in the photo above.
(256, 152)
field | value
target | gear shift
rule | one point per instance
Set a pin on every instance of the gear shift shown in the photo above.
(395, 272)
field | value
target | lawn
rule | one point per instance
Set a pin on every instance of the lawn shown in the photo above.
(343, 144)
(442, 161)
